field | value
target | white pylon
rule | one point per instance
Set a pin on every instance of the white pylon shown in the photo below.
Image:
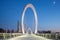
(35, 14)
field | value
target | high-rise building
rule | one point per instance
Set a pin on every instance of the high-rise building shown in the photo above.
(19, 30)
(19, 27)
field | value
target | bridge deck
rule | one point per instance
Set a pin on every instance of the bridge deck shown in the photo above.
(29, 37)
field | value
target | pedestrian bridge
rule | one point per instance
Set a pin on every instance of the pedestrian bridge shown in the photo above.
(29, 37)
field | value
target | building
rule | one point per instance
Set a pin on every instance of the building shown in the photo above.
(19, 30)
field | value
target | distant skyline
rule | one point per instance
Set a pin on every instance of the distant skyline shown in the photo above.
(48, 12)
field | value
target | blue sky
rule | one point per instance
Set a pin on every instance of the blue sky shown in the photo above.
(48, 14)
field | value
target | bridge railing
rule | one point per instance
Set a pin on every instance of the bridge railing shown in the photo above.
(47, 35)
(50, 35)
(9, 35)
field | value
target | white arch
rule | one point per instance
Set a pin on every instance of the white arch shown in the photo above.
(35, 14)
